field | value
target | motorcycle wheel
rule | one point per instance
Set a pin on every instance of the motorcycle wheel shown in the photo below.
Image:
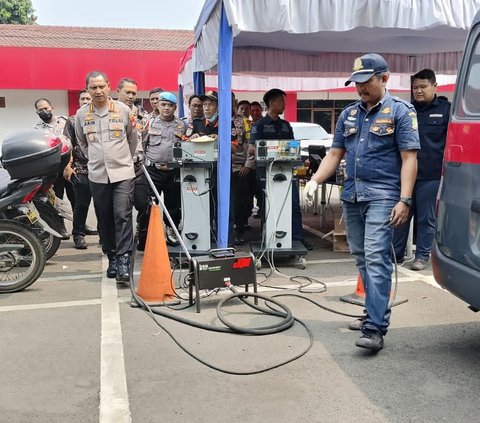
(50, 242)
(22, 257)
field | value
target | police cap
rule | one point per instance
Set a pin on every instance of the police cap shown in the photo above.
(366, 66)
(166, 96)
(210, 95)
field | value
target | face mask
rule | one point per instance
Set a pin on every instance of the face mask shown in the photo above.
(214, 117)
(45, 116)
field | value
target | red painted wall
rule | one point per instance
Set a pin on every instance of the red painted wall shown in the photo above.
(291, 107)
(39, 68)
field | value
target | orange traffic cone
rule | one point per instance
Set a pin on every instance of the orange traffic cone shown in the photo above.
(155, 283)
(358, 296)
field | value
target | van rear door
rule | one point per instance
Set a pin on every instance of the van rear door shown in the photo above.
(458, 223)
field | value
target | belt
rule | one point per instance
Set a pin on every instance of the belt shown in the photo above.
(160, 166)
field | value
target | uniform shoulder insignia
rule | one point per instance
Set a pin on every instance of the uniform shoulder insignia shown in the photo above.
(352, 105)
(401, 100)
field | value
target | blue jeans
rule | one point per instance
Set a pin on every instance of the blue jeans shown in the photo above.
(369, 236)
(423, 210)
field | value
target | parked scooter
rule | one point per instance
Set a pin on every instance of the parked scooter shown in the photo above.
(27, 156)
(50, 209)
(22, 256)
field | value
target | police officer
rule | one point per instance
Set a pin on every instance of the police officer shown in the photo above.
(273, 127)
(164, 130)
(127, 94)
(256, 112)
(243, 171)
(48, 121)
(379, 136)
(195, 105)
(76, 172)
(209, 126)
(105, 132)
(153, 97)
(433, 115)
(55, 125)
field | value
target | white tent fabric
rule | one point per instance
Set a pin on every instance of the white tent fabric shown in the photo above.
(397, 82)
(420, 33)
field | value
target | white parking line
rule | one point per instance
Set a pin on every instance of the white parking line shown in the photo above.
(418, 276)
(58, 304)
(114, 402)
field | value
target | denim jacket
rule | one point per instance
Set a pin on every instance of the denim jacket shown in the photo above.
(373, 141)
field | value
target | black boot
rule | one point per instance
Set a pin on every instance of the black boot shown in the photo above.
(79, 242)
(63, 230)
(112, 267)
(123, 268)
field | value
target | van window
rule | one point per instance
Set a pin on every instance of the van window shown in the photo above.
(470, 105)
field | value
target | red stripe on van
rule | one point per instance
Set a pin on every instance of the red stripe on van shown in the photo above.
(463, 142)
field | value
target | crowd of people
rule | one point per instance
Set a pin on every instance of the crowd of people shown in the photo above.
(393, 152)
(111, 139)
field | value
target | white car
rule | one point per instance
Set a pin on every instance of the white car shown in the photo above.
(311, 134)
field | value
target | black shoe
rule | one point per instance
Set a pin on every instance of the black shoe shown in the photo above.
(370, 340)
(123, 268)
(63, 230)
(239, 239)
(171, 237)
(80, 243)
(356, 324)
(90, 231)
(112, 267)
(308, 245)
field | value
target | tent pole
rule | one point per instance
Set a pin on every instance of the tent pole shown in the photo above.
(225, 51)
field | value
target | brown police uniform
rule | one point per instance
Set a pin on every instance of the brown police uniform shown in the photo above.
(158, 159)
(56, 128)
(109, 141)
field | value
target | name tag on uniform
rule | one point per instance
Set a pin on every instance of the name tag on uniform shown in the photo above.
(435, 115)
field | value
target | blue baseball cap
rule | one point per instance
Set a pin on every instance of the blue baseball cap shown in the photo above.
(166, 96)
(366, 66)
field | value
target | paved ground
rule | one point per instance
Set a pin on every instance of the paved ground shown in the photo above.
(73, 350)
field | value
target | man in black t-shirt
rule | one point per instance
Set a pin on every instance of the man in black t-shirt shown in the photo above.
(273, 127)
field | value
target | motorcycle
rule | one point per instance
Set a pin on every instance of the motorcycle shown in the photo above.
(22, 256)
(50, 208)
(27, 156)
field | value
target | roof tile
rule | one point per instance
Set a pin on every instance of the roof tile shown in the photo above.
(94, 38)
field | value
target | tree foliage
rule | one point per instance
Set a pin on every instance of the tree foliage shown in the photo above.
(17, 12)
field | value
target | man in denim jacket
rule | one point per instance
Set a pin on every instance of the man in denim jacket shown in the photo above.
(379, 136)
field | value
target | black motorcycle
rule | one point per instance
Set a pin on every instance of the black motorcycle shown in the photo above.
(22, 256)
(27, 156)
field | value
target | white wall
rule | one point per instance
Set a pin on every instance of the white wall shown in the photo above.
(19, 111)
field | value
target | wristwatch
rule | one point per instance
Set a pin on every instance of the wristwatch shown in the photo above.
(406, 200)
